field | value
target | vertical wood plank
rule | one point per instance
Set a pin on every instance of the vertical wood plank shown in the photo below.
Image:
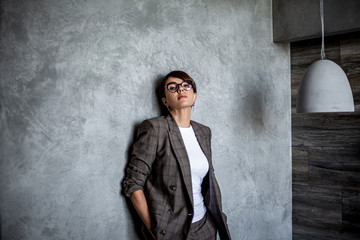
(300, 166)
(351, 211)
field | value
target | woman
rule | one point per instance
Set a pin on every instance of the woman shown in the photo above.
(170, 178)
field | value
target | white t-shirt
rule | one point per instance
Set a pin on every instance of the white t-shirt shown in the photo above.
(199, 167)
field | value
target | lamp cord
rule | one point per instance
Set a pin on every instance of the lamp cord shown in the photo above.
(322, 29)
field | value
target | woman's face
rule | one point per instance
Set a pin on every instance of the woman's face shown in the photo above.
(180, 98)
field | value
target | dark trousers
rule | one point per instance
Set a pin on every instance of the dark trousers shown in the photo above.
(204, 229)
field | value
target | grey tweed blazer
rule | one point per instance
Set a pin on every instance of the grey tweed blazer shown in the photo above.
(159, 165)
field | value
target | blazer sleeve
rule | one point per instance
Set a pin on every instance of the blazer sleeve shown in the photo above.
(142, 158)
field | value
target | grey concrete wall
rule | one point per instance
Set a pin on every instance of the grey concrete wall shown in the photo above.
(296, 20)
(77, 76)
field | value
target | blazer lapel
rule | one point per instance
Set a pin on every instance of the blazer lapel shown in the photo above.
(180, 154)
(203, 140)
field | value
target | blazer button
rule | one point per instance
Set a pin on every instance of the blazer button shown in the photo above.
(162, 232)
(170, 212)
(125, 185)
(172, 187)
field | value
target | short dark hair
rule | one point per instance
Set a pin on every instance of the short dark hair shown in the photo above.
(176, 74)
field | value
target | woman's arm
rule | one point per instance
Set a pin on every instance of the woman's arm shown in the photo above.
(139, 201)
(139, 169)
(141, 159)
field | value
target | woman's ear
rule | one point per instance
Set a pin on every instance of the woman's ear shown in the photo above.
(164, 101)
(195, 96)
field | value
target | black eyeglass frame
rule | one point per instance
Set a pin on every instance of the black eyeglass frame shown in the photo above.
(180, 84)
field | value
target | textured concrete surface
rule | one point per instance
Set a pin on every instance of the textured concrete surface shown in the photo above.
(76, 78)
(296, 20)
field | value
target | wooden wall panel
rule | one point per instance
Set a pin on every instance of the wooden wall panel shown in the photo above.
(336, 158)
(319, 176)
(300, 165)
(351, 211)
(326, 150)
(316, 206)
(316, 233)
(325, 129)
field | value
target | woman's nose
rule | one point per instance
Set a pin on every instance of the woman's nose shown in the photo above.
(180, 89)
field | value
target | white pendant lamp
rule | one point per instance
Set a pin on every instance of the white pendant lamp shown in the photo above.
(324, 87)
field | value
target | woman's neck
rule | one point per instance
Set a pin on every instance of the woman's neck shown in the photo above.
(182, 117)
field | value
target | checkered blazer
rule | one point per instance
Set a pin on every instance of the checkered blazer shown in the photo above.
(159, 165)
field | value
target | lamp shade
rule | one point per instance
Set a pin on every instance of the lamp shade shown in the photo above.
(324, 88)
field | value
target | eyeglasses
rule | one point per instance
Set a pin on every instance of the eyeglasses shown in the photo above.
(174, 87)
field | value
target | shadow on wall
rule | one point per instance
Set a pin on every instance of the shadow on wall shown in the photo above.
(139, 227)
(252, 103)
(159, 93)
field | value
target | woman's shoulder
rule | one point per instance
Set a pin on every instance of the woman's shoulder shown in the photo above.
(200, 126)
(155, 120)
(155, 123)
